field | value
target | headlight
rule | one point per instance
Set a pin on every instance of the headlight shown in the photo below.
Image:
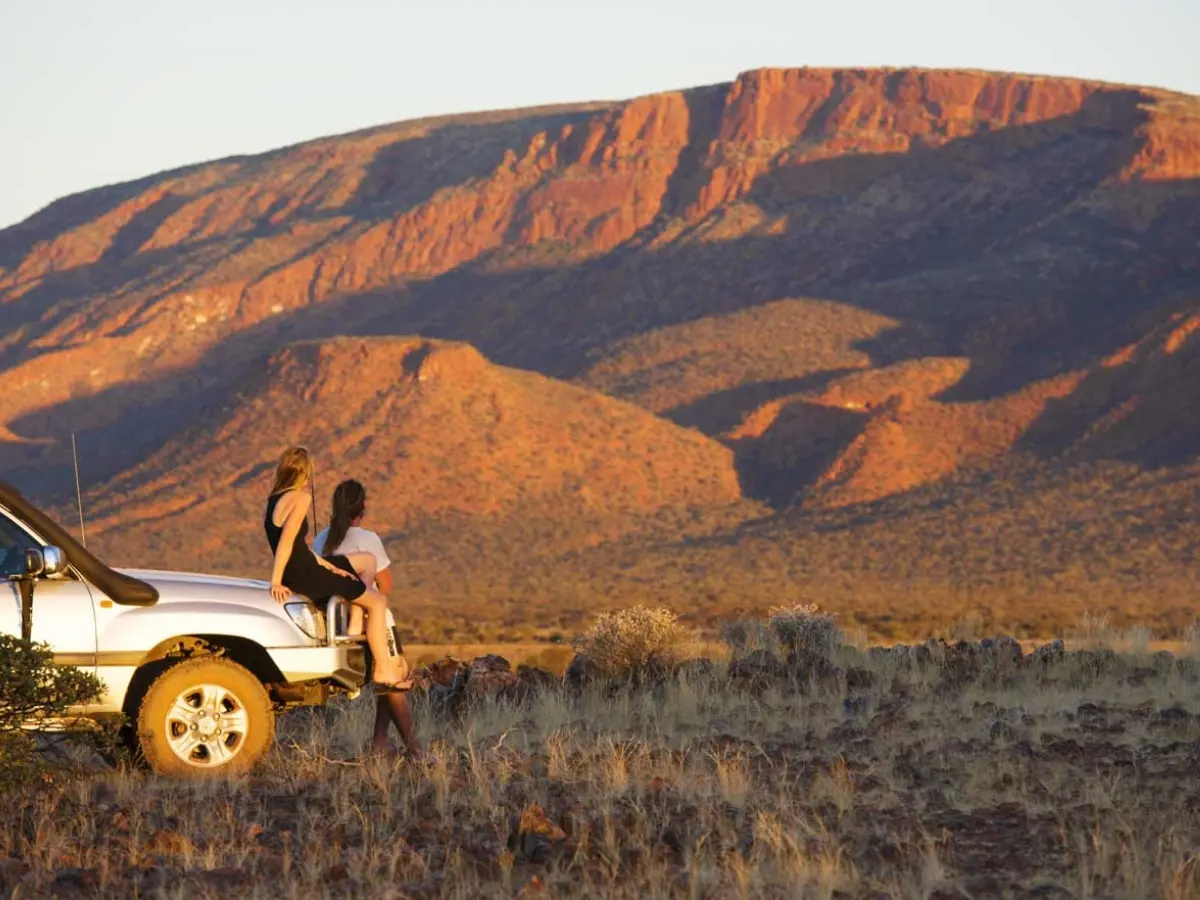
(302, 616)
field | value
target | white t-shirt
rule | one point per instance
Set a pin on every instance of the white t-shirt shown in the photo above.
(359, 540)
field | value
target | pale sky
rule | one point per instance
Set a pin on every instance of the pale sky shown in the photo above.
(98, 91)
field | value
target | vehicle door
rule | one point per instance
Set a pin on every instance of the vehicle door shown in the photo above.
(64, 616)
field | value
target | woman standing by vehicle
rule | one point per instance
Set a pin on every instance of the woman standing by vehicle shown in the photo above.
(300, 570)
(346, 537)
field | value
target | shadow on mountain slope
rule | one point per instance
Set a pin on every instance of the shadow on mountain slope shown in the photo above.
(1021, 267)
(406, 173)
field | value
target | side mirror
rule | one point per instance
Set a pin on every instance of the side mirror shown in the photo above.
(55, 560)
(44, 562)
(35, 563)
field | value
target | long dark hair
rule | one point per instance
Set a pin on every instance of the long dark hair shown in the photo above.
(349, 501)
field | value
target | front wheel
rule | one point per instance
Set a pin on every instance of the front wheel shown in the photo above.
(206, 716)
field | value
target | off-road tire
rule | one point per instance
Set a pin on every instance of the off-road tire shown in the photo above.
(154, 730)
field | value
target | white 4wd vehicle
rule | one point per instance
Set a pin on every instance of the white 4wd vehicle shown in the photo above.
(198, 665)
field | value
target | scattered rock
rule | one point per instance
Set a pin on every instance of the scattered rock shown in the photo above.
(581, 670)
(756, 670)
(12, 871)
(537, 679)
(490, 663)
(698, 669)
(1141, 675)
(1172, 717)
(534, 836)
(1164, 661)
(494, 684)
(75, 880)
(1098, 662)
(1049, 654)
(1003, 650)
(443, 672)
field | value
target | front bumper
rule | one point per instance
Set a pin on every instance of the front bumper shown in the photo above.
(345, 665)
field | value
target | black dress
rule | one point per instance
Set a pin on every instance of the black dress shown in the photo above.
(303, 574)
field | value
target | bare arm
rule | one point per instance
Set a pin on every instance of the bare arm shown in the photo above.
(291, 527)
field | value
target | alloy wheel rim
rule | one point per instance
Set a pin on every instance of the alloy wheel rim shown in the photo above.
(207, 725)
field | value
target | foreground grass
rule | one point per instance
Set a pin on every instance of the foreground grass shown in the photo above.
(903, 774)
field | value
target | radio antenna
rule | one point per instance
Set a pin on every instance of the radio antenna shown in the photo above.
(78, 490)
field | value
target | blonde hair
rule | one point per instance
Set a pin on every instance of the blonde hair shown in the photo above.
(294, 469)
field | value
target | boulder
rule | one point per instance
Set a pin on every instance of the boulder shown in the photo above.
(582, 671)
(1050, 653)
(537, 679)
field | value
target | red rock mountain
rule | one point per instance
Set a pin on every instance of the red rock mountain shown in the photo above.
(863, 283)
(437, 428)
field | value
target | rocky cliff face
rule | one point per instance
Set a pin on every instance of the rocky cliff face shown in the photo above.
(738, 259)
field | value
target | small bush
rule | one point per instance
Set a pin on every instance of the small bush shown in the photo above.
(805, 630)
(628, 641)
(33, 690)
(788, 632)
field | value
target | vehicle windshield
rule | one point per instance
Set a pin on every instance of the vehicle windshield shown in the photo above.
(14, 541)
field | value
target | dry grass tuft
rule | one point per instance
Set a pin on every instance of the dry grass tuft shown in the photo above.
(1191, 640)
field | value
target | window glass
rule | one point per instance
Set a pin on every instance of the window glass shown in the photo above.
(13, 544)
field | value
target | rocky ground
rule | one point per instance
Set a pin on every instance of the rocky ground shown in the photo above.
(939, 770)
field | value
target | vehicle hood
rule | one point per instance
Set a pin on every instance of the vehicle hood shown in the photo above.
(197, 603)
(181, 586)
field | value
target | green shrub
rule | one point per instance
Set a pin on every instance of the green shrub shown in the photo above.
(628, 641)
(33, 691)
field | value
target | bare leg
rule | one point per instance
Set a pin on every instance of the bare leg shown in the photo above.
(401, 713)
(364, 565)
(375, 606)
(395, 709)
(379, 740)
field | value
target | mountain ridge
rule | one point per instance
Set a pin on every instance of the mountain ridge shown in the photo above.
(742, 260)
